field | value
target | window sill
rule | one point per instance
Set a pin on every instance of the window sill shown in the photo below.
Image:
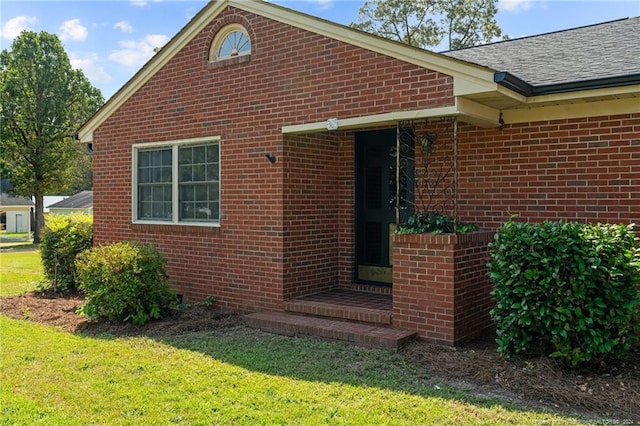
(220, 63)
(172, 228)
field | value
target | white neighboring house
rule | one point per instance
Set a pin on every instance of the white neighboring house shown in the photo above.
(17, 212)
(82, 202)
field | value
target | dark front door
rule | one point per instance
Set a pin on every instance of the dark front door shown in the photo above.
(376, 193)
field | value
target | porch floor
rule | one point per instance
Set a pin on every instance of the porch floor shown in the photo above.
(346, 297)
(340, 303)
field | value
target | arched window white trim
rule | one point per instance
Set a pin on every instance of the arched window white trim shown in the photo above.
(231, 41)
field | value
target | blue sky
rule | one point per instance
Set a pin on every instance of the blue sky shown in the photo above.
(111, 40)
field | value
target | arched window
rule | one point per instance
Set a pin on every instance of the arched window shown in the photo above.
(231, 41)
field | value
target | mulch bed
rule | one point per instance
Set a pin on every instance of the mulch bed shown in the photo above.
(610, 391)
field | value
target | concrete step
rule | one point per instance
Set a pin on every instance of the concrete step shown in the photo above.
(367, 335)
(352, 313)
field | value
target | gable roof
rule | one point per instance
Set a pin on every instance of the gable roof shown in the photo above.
(7, 200)
(81, 200)
(596, 56)
(430, 60)
(481, 90)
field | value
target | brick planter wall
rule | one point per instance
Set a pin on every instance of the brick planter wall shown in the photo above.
(440, 285)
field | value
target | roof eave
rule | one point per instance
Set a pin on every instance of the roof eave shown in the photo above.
(518, 85)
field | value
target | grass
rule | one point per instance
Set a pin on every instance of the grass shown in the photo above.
(226, 376)
(236, 376)
(19, 271)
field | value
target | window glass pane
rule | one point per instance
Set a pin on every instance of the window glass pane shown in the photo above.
(235, 43)
(185, 173)
(201, 193)
(166, 157)
(144, 194)
(143, 175)
(203, 211)
(199, 173)
(144, 210)
(166, 174)
(187, 193)
(185, 155)
(199, 154)
(214, 192)
(166, 193)
(212, 172)
(186, 211)
(157, 210)
(215, 210)
(156, 174)
(144, 159)
(156, 158)
(212, 154)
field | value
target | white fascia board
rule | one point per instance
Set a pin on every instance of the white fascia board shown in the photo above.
(371, 120)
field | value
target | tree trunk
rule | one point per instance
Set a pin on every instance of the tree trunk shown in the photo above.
(39, 218)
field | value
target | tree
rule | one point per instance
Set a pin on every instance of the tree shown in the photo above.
(42, 101)
(470, 22)
(427, 23)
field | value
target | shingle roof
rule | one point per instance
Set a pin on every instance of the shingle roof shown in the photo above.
(81, 200)
(12, 200)
(598, 51)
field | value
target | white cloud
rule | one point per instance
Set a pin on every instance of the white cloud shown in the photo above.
(91, 68)
(123, 26)
(143, 3)
(73, 30)
(514, 5)
(14, 26)
(136, 53)
(324, 4)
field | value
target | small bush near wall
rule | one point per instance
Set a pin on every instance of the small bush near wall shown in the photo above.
(567, 290)
(124, 282)
(432, 222)
(63, 238)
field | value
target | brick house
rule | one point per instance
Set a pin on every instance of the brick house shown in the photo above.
(263, 151)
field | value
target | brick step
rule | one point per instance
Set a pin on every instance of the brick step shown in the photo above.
(367, 335)
(373, 316)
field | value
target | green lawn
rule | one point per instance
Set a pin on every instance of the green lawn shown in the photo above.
(227, 376)
(19, 271)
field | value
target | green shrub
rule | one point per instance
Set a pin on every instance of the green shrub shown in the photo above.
(434, 223)
(63, 238)
(567, 290)
(124, 282)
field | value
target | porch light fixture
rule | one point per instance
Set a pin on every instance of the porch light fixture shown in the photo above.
(270, 157)
(332, 124)
(427, 141)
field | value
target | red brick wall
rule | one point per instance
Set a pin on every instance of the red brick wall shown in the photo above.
(585, 169)
(472, 285)
(423, 287)
(312, 211)
(292, 77)
(440, 285)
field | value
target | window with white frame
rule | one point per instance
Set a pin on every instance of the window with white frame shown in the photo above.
(231, 41)
(177, 182)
